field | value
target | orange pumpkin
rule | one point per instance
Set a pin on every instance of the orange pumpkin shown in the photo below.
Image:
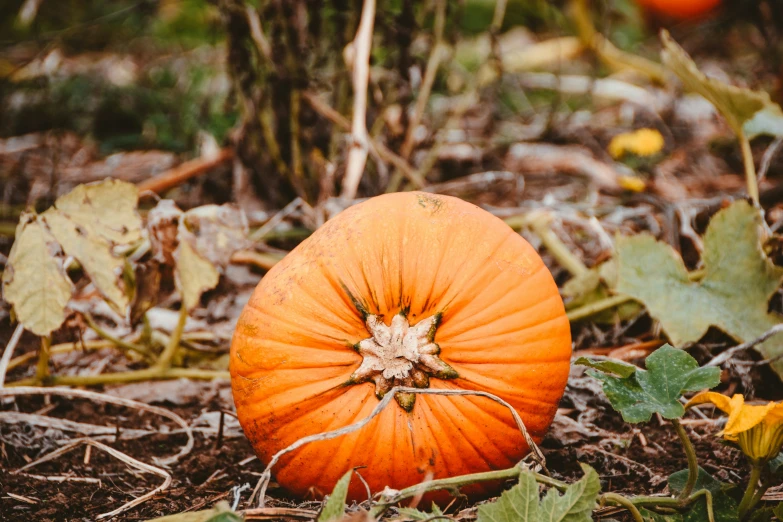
(680, 9)
(412, 289)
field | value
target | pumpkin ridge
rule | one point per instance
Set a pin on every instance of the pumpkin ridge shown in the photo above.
(459, 430)
(473, 277)
(466, 384)
(477, 322)
(487, 313)
(529, 334)
(471, 421)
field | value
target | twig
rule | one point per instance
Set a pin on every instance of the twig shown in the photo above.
(9, 352)
(726, 355)
(535, 452)
(165, 358)
(84, 394)
(383, 151)
(173, 177)
(146, 374)
(61, 348)
(539, 223)
(118, 455)
(276, 513)
(357, 155)
(257, 33)
(63, 478)
(121, 343)
(769, 154)
(90, 430)
(259, 259)
(544, 158)
(436, 53)
(275, 220)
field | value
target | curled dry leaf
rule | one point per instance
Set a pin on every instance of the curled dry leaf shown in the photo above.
(89, 222)
(162, 222)
(34, 281)
(207, 236)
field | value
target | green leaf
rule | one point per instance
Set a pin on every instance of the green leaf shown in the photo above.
(670, 372)
(733, 295)
(776, 464)
(34, 281)
(779, 511)
(651, 516)
(521, 503)
(415, 514)
(578, 501)
(334, 507)
(518, 504)
(623, 369)
(724, 506)
(706, 481)
(736, 104)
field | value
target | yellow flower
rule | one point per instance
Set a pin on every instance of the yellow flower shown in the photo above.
(757, 429)
(642, 142)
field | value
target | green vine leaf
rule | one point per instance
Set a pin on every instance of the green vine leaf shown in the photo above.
(521, 503)
(34, 281)
(725, 508)
(736, 104)
(733, 295)
(334, 507)
(670, 372)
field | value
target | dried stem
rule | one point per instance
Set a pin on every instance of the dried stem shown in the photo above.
(263, 482)
(750, 168)
(357, 154)
(173, 177)
(120, 343)
(436, 53)
(9, 352)
(382, 150)
(539, 224)
(42, 371)
(164, 361)
(118, 455)
(146, 374)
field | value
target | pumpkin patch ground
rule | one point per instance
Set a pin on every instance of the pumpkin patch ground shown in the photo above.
(493, 261)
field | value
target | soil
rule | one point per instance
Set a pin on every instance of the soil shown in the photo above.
(629, 459)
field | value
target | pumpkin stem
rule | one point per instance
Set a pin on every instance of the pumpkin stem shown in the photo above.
(401, 354)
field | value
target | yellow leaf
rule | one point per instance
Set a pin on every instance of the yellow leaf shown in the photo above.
(34, 281)
(641, 142)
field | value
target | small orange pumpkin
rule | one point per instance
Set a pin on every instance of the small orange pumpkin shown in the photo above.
(680, 9)
(411, 289)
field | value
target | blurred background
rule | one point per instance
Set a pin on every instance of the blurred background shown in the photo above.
(132, 88)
